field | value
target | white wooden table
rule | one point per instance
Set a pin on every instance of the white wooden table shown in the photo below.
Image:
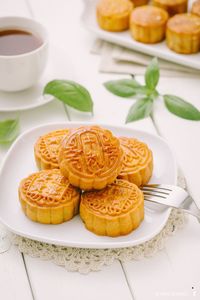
(174, 273)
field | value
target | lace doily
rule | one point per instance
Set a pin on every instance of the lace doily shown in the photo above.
(87, 260)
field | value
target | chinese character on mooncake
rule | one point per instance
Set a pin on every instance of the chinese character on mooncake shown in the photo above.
(114, 211)
(47, 147)
(48, 197)
(137, 163)
(90, 157)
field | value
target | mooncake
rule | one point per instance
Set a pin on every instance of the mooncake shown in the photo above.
(183, 33)
(113, 15)
(48, 197)
(137, 3)
(47, 147)
(196, 8)
(137, 164)
(90, 157)
(148, 24)
(114, 211)
(173, 7)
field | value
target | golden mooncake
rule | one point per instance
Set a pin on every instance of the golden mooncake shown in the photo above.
(137, 164)
(196, 8)
(137, 3)
(116, 210)
(48, 197)
(183, 33)
(47, 147)
(173, 7)
(113, 15)
(90, 157)
(148, 24)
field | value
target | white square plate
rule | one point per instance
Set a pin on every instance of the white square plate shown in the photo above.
(124, 39)
(19, 163)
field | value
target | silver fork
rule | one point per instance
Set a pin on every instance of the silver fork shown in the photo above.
(171, 196)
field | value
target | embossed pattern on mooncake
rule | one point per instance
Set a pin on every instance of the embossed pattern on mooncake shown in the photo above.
(90, 157)
(118, 198)
(137, 163)
(47, 147)
(116, 210)
(48, 197)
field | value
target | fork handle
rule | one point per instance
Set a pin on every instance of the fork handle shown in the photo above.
(190, 207)
(187, 206)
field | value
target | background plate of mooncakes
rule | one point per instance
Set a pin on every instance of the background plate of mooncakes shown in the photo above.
(124, 39)
(19, 163)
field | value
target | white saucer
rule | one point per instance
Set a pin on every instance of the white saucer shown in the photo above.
(73, 233)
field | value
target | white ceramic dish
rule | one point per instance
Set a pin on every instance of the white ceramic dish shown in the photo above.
(19, 163)
(124, 39)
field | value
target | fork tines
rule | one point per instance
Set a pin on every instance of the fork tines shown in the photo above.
(156, 190)
(156, 187)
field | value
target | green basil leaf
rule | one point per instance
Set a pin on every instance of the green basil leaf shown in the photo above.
(125, 87)
(181, 108)
(153, 95)
(152, 74)
(71, 93)
(9, 130)
(141, 109)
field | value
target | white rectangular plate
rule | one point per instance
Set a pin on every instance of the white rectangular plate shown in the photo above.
(19, 163)
(125, 39)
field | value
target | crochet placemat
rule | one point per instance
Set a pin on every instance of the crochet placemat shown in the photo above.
(87, 260)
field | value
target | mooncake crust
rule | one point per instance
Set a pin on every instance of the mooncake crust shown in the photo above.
(137, 3)
(148, 24)
(113, 15)
(48, 197)
(183, 33)
(137, 166)
(173, 7)
(196, 8)
(90, 157)
(114, 211)
(46, 149)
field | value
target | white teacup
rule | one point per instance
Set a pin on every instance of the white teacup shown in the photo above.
(19, 72)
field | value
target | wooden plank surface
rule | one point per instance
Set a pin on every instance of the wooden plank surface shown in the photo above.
(157, 277)
(182, 135)
(49, 281)
(151, 278)
(53, 282)
(108, 108)
(14, 283)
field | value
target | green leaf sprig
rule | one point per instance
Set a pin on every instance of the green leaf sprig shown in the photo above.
(9, 130)
(70, 93)
(147, 94)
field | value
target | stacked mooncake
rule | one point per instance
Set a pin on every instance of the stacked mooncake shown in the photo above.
(88, 170)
